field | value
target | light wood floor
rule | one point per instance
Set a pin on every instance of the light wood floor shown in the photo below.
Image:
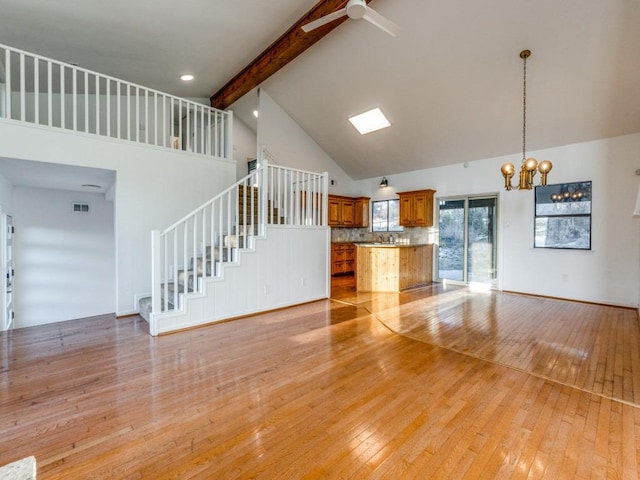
(433, 383)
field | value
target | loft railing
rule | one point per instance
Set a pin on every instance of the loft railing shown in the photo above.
(195, 247)
(42, 91)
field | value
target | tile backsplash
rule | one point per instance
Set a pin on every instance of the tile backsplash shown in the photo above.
(412, 234)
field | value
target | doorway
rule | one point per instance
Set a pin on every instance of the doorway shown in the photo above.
(467, 251)
(8, 271)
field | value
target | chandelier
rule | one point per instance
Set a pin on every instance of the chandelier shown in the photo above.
(529, 165)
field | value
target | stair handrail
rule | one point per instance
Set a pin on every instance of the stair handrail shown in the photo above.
(208, 203)
(271, 194)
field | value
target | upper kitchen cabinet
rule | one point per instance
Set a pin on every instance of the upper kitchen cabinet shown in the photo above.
(416, 208)
(362, 212)
(348, 211)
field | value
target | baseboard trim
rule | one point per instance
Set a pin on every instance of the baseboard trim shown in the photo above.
(601, 304)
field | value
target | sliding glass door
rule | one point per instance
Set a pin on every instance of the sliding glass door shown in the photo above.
(467, 248)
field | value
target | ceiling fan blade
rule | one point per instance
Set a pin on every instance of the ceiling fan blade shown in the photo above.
(381, 22)
(324, 20)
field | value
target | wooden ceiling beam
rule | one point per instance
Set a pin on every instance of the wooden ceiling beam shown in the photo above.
(291, 44)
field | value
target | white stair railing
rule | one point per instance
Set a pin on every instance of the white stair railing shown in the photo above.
(46, 92)
(197, 246)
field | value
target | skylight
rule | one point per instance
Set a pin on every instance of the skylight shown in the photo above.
(370, 121)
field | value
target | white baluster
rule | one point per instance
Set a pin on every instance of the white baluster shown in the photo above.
(7, 92)
(119, 119)
(87, 101)
(62, 99)
(146, 116)
(49, 94)
(36, 90)
(97, 105)
(137, 124)
(23, 92)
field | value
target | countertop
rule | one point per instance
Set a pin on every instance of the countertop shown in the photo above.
(391, 245)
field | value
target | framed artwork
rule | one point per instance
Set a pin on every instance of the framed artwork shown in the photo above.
(563, 216)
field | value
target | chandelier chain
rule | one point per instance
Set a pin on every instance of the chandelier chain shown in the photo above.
(524, 108)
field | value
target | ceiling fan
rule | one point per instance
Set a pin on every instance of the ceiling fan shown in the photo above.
(356, 9)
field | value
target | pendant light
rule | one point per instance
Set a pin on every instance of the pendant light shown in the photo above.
(529, 165)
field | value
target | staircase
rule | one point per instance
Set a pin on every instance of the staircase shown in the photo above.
(197, 250)
(260, 244)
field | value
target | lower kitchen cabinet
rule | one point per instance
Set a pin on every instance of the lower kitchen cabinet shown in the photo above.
(343, 258)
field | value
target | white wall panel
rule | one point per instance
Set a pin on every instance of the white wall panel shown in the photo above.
(272, 275)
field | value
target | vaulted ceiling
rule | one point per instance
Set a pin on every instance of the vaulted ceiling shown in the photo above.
(450, 82)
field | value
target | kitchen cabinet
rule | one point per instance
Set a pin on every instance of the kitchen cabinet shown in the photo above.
(348, 211)
(361, 212)
(343, 258)
(393, 268)
(416, 208)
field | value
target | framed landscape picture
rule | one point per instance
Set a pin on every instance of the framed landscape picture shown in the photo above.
(563, 216)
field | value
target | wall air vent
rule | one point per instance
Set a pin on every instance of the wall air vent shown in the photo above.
(80, 207)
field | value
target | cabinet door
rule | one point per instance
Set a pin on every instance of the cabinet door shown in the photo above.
(423, 208)
(362, 213)
(406, 210)
(420, 210)
(350, 263)
(348, 212)
(334, 211)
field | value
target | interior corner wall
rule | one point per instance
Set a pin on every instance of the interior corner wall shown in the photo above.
(155, 188)
(293, 147)
(64, 260)
(609, 273)
(244, 146)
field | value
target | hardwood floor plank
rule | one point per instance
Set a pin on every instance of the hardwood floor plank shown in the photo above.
(432, 383)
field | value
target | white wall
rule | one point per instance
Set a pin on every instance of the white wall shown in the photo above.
(607, 274)
(293, 147)
(155, 187)
(64, 261)
(244, 146)
(6, 195)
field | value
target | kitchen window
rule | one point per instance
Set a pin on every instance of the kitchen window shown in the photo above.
(386, 216)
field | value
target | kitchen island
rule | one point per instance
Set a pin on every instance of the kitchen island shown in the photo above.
(387, 267)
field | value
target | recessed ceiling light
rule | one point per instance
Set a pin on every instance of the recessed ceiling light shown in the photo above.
(255, 113)
(187, 77)
(370, 121)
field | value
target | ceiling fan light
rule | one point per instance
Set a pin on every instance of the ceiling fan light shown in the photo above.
(356, 9)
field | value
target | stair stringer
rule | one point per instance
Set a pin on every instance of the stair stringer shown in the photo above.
(286, 267)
